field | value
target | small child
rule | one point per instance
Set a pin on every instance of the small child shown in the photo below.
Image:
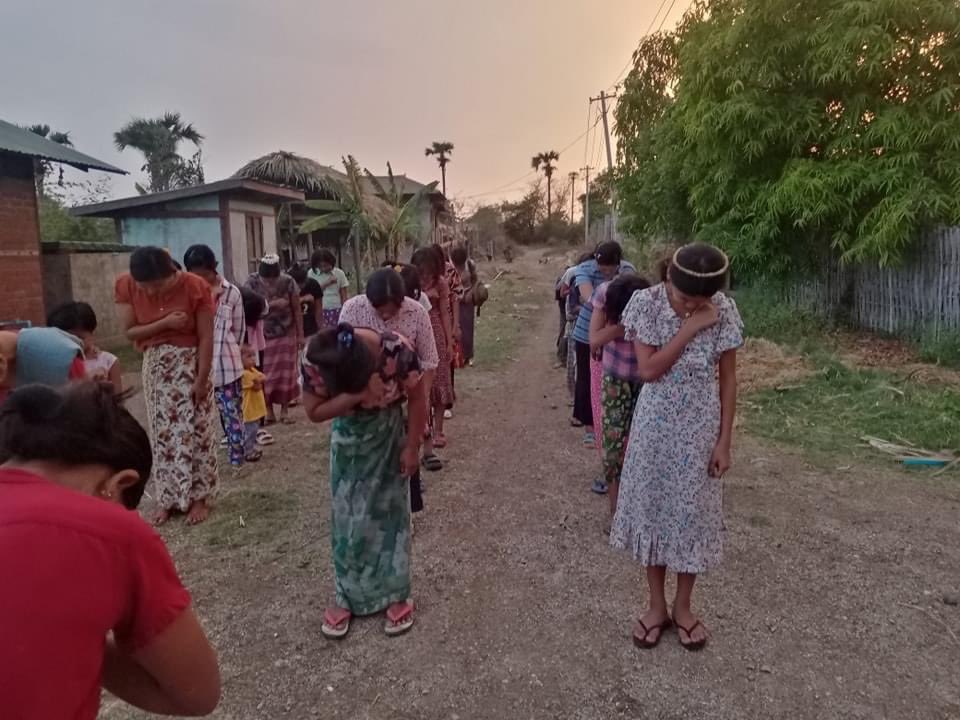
(80, 320)
(254, 403)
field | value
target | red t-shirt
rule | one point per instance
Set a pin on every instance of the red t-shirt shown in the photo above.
(74, 568)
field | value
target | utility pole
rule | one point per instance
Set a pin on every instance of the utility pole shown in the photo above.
(606, 134)
(586, 208)
(573, 191)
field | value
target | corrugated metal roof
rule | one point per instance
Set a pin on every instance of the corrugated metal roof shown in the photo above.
(254, 187)
(23, 142)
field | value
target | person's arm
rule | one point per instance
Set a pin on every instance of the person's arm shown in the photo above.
(721, 459)
(445, 318)
(297, 315)
(416, 422)
(586, 292)
(175, 674)
(654, 363)
(238, 321)
(201, 385)
(322, 409)
(456, 317)
(136, 333)
(600, 332)
(115, 377)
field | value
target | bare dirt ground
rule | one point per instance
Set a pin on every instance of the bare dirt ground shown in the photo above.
(830, 603)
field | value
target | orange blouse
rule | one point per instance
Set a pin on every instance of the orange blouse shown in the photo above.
(189, 294)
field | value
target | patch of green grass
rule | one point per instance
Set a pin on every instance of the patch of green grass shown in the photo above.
(246, 517)
(511, 312)
(130, 359)
(837, 406)
(767, 314)
(944, 350)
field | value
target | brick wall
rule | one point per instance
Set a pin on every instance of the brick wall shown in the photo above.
(22, 294)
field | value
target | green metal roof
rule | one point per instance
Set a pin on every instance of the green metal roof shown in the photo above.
(23, 142)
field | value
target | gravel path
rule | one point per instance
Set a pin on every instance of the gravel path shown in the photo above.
(829, 605)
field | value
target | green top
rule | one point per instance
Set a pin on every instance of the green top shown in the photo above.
(331, 282)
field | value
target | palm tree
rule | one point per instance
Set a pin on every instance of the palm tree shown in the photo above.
(42, 168)
(158, 140)
(404, 222)
(363, 215)
(544, 160)
(442, 150)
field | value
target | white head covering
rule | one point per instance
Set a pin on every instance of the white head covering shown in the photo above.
(271, 259)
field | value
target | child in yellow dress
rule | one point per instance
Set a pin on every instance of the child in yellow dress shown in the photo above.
(254, 402)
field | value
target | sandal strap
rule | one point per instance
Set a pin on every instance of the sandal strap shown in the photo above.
(689, 631)
(336, 616)
(397, 616)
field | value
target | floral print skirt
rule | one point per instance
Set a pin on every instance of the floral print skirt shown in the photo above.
(619, 398)
(181, 432)
(670, 511)
(370, 528)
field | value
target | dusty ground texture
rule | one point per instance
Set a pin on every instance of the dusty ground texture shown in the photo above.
(829, 605)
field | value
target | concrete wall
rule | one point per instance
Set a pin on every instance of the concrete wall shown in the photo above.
(87, 277)
(22, 295)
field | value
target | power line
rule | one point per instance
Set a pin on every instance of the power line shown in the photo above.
(532, 172)
(649, 28)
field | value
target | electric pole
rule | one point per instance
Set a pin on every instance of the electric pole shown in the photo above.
(573, 191)
(606, 134)
(586, 208)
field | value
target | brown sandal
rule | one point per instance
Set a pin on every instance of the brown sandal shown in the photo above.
(691, 646)
(642, 642)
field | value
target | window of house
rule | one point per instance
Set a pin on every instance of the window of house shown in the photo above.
(255, 249)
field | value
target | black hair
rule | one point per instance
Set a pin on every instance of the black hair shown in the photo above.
(427, 261)
(385, 286)
(411, 281)
(320, 257)
(619, 293)
(442, 254)
(252, 305)
(699, 270)
(269, 270)
(459, 255)
(150, 263)
(79, 424)
(73, 316)
(298, 273)
(199, 257)
(609, 253)
(342, 359)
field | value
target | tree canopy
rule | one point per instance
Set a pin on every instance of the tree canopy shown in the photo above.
(158, 140)
(781, 129)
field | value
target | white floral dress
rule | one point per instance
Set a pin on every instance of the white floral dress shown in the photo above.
(670, 511)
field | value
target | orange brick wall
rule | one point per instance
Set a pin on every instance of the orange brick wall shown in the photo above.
(21, 280)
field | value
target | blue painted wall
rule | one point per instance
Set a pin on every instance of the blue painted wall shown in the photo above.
(177, 234)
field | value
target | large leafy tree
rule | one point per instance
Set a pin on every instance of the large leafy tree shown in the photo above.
(159, 140)
(783, 129)
(441, 150)
(42, 168)
(544, 161)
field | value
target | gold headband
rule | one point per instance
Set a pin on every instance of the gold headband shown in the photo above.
(694, 273)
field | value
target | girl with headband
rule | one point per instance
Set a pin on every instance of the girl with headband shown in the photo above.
(686, 333)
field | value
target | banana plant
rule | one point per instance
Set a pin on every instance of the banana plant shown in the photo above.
(404, 225)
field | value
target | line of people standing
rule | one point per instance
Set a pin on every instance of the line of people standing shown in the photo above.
(654, 384)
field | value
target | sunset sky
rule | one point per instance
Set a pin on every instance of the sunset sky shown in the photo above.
(376, 78)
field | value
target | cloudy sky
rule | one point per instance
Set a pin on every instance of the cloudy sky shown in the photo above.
(501, 79)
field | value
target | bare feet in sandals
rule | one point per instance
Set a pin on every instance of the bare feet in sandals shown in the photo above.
(650, 627)
(199, 511)
(693, 633)
(399, 618)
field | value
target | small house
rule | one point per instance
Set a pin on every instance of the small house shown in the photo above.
(236, 218)
(22, 299)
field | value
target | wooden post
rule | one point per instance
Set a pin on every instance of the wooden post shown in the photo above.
(355, 247)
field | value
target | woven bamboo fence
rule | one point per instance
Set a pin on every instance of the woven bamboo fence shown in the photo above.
(920, 296)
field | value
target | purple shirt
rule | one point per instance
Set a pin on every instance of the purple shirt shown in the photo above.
(619, 357)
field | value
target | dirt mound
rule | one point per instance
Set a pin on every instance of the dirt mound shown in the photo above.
(763, 365)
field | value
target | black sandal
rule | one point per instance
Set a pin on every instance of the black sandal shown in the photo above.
(691, 646)
(432, 463)
(642, 642)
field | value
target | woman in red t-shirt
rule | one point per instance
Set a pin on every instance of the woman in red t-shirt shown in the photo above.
(93, 599)
(168, 314)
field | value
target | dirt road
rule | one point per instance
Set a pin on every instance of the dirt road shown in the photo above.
(829, 605)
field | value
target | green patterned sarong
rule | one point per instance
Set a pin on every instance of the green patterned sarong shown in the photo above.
(371, 513)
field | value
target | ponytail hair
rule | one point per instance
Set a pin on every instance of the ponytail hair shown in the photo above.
(79, 424)
(341, 359)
